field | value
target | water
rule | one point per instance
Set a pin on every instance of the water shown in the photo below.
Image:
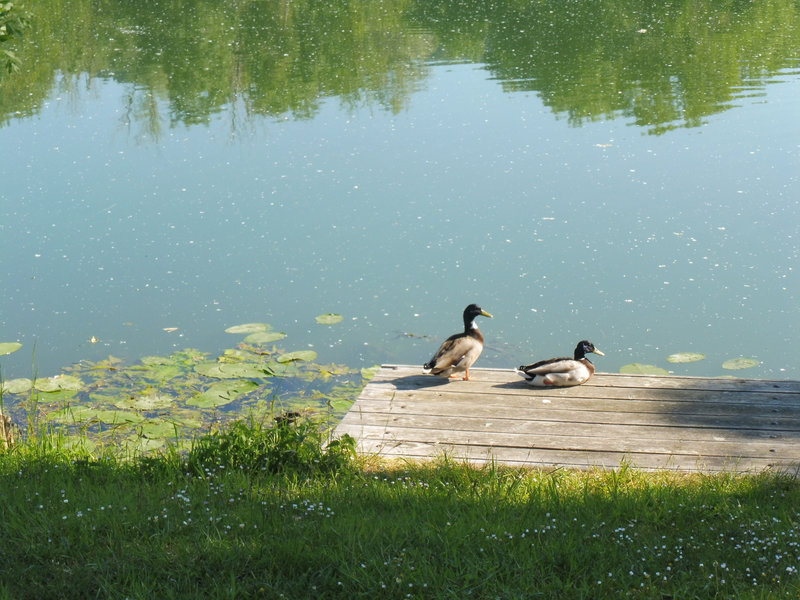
(443, 176)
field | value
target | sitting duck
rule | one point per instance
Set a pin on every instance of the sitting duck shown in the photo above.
(460, 351)
(562, 372)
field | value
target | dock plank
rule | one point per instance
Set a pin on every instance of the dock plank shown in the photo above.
(672, 422)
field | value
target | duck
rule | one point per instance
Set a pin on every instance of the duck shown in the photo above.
(460, 351)
(564, 371)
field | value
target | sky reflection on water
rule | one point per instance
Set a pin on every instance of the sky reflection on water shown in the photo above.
(647, 245)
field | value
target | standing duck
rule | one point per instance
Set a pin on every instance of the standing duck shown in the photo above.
(562, 372)
(460, 351)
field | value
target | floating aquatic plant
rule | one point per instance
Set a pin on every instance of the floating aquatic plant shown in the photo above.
(138, 406)
(221, 393)
(329, 319)
(81, 414)
(685, 357)
(9, 347)
(307, 355)
(740, 363)
(249, 328)
(231, 370)
(59, 382)
(264, 337)
(369, 372)
(17, 386)
(146, 402)
(642, 369)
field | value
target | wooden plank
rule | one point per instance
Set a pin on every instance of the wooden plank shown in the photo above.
(401, 374)
(634, 442)
(684, 423)
(499, 427)
(569, 459)
(512, 404)
(624, 390)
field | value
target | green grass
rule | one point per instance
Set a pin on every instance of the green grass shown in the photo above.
(261, 512)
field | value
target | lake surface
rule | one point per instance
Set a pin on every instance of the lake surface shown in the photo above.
(621, 174)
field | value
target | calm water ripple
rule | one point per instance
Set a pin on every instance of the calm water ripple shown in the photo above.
(629, 177)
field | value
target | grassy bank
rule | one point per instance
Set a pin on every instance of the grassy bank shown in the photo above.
(267, 512)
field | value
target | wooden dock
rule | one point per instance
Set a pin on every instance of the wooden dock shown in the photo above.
(650, 423)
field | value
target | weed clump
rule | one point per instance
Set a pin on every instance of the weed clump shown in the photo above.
(293, 444)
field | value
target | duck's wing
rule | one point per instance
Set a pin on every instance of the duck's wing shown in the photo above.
(553, 365)
(453, 351)
(562, 379)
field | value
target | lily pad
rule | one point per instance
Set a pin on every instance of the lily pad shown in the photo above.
(238, 355)
(285, 369)
(158, 430)
(59, 397)
(221, 393)
(186, 421)
(152, 402)
(137, 445)
(189, 417)
(297, 355)
(110, 398)
(156, 360)
(249, 328)
(685, 357)
(340, 404)
(740, 363)
(81, 414)
(78, 442)
(48, 384)
(231, 370)
(115, 417)
(329, 319)
(368, 373)
(9, 347)
(59, 382)
(264, 337)
(642, 369)
(17, 386)
(163, 372)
